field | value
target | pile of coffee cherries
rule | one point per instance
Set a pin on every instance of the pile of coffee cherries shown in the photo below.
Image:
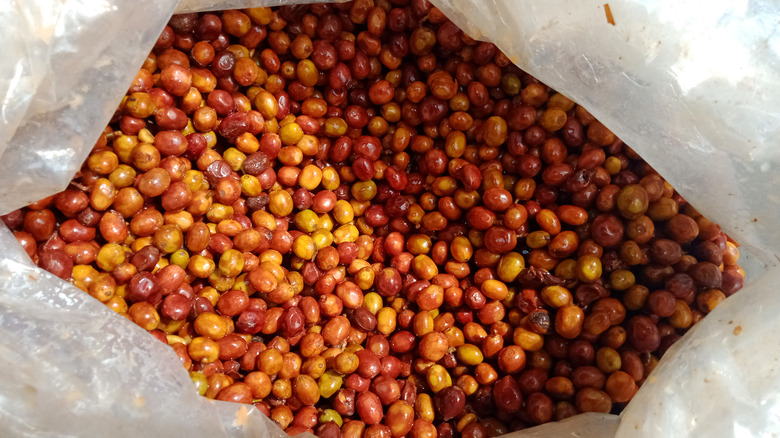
(366, 223)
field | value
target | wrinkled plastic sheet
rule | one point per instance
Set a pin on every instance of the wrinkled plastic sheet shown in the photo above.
(694, 87)
(66, 65)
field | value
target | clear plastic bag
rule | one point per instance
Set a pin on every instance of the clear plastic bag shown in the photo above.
(694, 87)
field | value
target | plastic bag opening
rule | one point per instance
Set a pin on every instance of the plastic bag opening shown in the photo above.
(697, 83)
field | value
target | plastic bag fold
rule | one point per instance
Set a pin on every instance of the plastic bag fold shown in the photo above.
(694, 87)
(66, 66)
